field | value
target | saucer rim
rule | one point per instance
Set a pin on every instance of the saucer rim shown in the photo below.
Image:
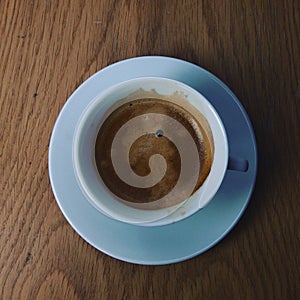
(234, 221)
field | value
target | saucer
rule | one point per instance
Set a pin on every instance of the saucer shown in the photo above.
(162, 244)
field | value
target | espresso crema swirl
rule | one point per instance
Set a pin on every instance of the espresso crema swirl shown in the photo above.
(152, 153)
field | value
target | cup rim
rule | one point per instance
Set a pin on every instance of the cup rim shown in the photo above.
(97, 101)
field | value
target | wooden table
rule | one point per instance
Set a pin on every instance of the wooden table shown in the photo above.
(48, 48)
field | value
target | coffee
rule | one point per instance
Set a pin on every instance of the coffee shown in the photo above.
(143, 140)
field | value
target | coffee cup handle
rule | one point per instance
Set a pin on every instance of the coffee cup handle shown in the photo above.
(237, 164)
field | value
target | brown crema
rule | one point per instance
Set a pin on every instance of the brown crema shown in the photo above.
(149, 144)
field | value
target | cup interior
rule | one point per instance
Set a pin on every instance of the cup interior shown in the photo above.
(85, 167)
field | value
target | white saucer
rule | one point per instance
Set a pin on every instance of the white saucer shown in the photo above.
(162, 244)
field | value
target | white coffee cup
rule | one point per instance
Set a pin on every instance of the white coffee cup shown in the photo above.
(86, 132)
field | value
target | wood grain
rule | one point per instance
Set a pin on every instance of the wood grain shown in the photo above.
(48, 48)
